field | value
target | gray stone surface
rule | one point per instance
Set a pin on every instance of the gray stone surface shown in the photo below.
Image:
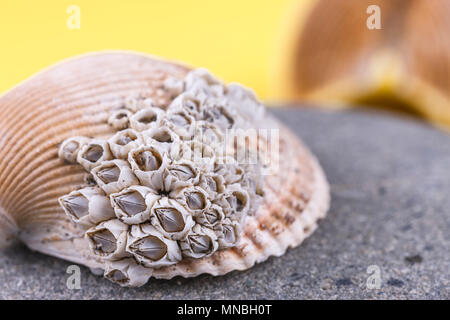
(390, 184)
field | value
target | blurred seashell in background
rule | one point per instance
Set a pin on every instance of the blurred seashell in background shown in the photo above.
(328, 54)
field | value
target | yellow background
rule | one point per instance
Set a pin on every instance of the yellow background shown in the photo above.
(235, 39)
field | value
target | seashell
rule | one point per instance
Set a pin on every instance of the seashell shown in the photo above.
(287, 193)
(402, 62)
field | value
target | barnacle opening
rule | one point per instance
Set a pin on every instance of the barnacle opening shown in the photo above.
(237, 200)
(213, 215)
(195, 200)
(183, 172)
(162, 135)
(148, 160)
(77, 205)
(146, 116)
(180, 119)
(109, 173)
(200, 244)
(103, 241)
(125, 137)
(150, 247)
(71, 146)
(117, 276)
(170, 219)
(131, 203)
(93, 153)
(229, 233)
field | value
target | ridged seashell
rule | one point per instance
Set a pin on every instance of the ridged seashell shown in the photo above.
(151, 248)
(77, 98)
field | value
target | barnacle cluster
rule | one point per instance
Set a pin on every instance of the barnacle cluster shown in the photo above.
(168, 185)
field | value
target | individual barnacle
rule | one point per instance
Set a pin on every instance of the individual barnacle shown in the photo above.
(228, 233)
(202, 83)
(202, 155)
(220, 116)
(235, 202)
(213, 184)
(149, 246)
(134, 104)
(171, 218)
(173, 86)
(69, 149)
(229, 169)
(146, 118)
(210, 217)
(200, 242)
(148, 164)
(238, 199)
(189, 103)
(87, 206)
(208, 133)
(163, 138)
(93, 154)
(119, 119)
(127, 272)
(195, 199)
(114, 175)
(180, 174)
(124, 141)
(108, 239)
(133, 204)
(181, 123)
